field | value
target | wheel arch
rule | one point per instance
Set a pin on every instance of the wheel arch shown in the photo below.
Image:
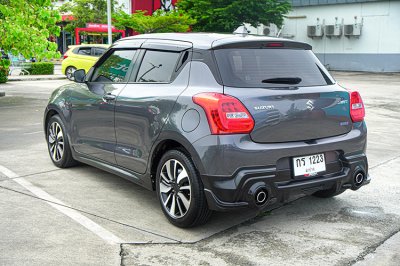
(168, 142)
(49, 113)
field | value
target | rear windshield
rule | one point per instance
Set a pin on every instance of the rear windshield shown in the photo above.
(270, 68)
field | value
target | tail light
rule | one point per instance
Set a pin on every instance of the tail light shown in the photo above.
(225, 114)
(357, 110)
(66, 54)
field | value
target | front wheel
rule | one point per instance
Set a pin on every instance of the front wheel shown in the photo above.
(58, 144)
(180, 190)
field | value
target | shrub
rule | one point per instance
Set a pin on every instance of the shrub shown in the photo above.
(4, 69)
(40, 68)
(3, 74)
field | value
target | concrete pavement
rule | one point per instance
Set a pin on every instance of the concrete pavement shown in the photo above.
(386, 254)
(36, 77)
(56, 76)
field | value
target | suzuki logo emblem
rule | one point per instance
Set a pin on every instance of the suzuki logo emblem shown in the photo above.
(310, 105)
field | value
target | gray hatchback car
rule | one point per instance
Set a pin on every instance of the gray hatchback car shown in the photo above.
(212, 122)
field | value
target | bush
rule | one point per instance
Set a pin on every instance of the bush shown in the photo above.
(40, 68)
(4, 69)
(3, 74)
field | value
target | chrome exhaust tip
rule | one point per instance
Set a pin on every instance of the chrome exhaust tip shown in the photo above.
(358, 179)
(261, 196)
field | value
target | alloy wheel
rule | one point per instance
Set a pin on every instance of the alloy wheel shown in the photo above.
(69, 72)
(56, 141)
(175, 188)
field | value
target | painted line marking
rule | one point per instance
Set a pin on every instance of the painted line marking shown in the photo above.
(73, 214)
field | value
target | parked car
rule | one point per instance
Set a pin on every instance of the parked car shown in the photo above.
(81, 57)
(212, 122)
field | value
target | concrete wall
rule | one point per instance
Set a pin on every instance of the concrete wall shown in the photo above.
(378, 47)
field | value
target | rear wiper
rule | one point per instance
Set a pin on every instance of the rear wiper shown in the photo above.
(283, 80)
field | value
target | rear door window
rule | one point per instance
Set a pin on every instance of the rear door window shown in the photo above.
(270, 68)
(157, 66)
(84, 51)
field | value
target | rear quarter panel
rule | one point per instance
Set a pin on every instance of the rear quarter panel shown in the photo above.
(79, 62)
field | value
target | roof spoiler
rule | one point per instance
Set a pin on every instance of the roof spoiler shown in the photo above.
(257, 44)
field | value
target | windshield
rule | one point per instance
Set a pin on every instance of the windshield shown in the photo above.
(270, 68)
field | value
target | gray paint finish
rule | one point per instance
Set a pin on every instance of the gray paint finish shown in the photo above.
(361, 62)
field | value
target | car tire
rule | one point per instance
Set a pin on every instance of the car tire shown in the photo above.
(69, 72)
(329, 193)
(58, 144)
(180, 190)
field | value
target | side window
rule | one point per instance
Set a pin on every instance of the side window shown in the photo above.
(98, 51)
(182, 61)
(115, 67)
(157, 66)
(84, 51)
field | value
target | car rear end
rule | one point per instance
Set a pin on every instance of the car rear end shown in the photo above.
(68, 54)
(280, 128)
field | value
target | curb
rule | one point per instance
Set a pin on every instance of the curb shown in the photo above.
(26, 78)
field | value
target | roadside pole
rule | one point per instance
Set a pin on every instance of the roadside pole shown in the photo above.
(109, 22)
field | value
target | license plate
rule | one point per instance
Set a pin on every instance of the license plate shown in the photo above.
(309, 165)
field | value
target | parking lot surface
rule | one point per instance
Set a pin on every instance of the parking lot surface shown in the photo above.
(83, 215)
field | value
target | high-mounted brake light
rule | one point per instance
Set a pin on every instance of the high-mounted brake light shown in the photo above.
(357, 110)
(274, 44)
(225, 114)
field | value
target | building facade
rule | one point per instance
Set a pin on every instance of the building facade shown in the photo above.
(151, 5)
(356, 35)
(97, 33)
(91, 33)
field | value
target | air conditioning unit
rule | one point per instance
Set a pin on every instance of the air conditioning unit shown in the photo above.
(270, 30)
(333, 30)
(315, 31)
(352, 30)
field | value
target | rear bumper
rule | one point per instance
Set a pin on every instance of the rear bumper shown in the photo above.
(237, 168)
(239, 191)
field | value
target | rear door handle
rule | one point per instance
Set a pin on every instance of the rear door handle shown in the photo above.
(109, 97)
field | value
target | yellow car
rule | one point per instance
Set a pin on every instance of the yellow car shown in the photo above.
(81, 57)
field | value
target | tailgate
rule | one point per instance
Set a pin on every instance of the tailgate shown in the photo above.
(301, 115)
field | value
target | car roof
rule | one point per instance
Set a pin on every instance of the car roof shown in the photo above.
(89, 45)
(208, 40)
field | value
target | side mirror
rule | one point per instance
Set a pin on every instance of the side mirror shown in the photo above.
(80, 76)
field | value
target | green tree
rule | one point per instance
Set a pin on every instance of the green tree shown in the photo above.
(160, 21)
(26, 25)
(85, 11)
(227, 15)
